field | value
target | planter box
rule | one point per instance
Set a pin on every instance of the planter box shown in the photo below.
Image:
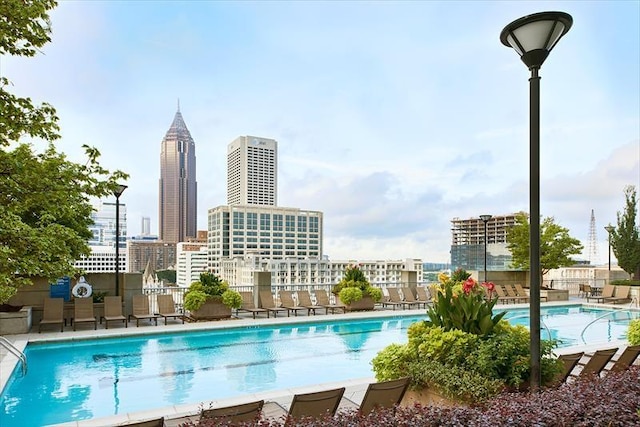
(17, 322)
(365, 304)
(555, 294)
(211, 310)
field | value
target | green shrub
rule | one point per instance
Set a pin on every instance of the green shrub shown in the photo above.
(349, 295)
(633, 333)
(208, 287)
(354, 280)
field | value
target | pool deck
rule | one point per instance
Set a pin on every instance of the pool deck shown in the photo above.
(276, 401)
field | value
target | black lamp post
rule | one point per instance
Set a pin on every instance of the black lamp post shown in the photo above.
(609, 229)
(485, 219)
(118, 192)
(533, 37)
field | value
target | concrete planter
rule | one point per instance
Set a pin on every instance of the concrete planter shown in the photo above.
(17, 322)
(211, 310)
(365, 304)
(555, 294)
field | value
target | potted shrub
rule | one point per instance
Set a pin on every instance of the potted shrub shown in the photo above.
(355, 291)
(464, 353)
(633, 333)
(210, 298)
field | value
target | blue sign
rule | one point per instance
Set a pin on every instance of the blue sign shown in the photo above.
(60, 289)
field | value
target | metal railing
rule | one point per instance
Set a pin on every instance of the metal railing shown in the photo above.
(13, 350)
(629, 312)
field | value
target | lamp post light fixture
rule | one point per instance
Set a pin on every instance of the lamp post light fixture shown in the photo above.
(533, 37)
(609, 229)
(118, 192)
(485, 219)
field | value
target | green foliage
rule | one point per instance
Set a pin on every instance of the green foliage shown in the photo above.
(633, 333)
(460, 275)
(44, 198)
(463, 306)
(556, 245)
(98, 296)
(625, 238)
(352, 281)
(208, 287)
(169, 276)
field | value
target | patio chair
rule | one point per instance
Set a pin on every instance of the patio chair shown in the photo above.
(167, 308)
(141, 310)
(316, 404)
(266, 302)
(502, 295)
(287, 301)
(597, 362)
(394, 299)
(156, 422)
(627, 358)
(113, 311)
(323, 300)
(83, 312)
(246, 412)
(304, 298)
(422, 295)
(569, 361)
(249, 305)
(512, 293)
(387, 394)
(520, 292)
(410, 300)
(620, 295)
(607, 292)
(52, 313)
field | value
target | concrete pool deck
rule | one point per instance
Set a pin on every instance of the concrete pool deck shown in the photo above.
(275, 400)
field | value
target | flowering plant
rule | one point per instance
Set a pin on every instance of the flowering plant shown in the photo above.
(464, 304)
(355, 285)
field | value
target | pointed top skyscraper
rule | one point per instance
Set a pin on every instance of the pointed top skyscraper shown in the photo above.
(178, 188)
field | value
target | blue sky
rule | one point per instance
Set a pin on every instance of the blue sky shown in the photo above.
(391, 117)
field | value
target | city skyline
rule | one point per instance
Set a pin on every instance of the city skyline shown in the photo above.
(391, 118)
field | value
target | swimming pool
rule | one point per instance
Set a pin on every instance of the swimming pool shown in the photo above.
(83, 379)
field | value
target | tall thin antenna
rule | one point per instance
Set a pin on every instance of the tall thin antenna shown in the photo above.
(593, 240)
(178, 105)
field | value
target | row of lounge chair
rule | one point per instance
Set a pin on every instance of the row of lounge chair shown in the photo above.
(382, 395)
(83, 312)
(595, 365)
(618, 294)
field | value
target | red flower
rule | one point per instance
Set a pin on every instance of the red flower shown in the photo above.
(490, 286)
(468, 285)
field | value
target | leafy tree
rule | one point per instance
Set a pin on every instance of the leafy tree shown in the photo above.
(624, 238)
(44, 198)
(556, 245)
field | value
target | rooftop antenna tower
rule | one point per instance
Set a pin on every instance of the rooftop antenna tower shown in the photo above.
(593, 240)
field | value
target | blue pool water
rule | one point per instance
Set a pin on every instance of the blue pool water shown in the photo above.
(94, 378)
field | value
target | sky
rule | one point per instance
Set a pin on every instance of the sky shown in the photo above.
(392, 118)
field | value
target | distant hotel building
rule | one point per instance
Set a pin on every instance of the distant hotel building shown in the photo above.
(178, 187)
(467, 243)
(252, 171)
(191, 260)
(103, 241)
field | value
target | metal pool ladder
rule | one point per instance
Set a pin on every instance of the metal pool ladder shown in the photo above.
(13, 350)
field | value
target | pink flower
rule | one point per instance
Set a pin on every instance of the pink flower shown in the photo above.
(468, 285)
(490, 286)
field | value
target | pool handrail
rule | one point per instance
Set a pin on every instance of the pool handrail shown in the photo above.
(14, 350)
(601, 317)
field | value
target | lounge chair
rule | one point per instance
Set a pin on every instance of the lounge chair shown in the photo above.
(249, 305)
(156, 422)
(113, 311)
(627, 358)
(83, 312)
(620, 295)
(607, 292)
(569, 361)
(520, 292)
(502, 295)
(316, 404)
(387, 394)
(304, 298)
(266, 302)
(53, 313)
(323, 300)
(597, 362)
(167, 308)
(286, 301)
(512, 293)
(246, 412)
(394, 299)
(410, 299)
(141, 310)
(422, 295)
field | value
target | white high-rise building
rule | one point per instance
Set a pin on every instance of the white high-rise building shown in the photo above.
(191, 261)
(252, 171)
(102, 244)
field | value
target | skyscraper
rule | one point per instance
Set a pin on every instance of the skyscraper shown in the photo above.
(178, 187)
(252, 171)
